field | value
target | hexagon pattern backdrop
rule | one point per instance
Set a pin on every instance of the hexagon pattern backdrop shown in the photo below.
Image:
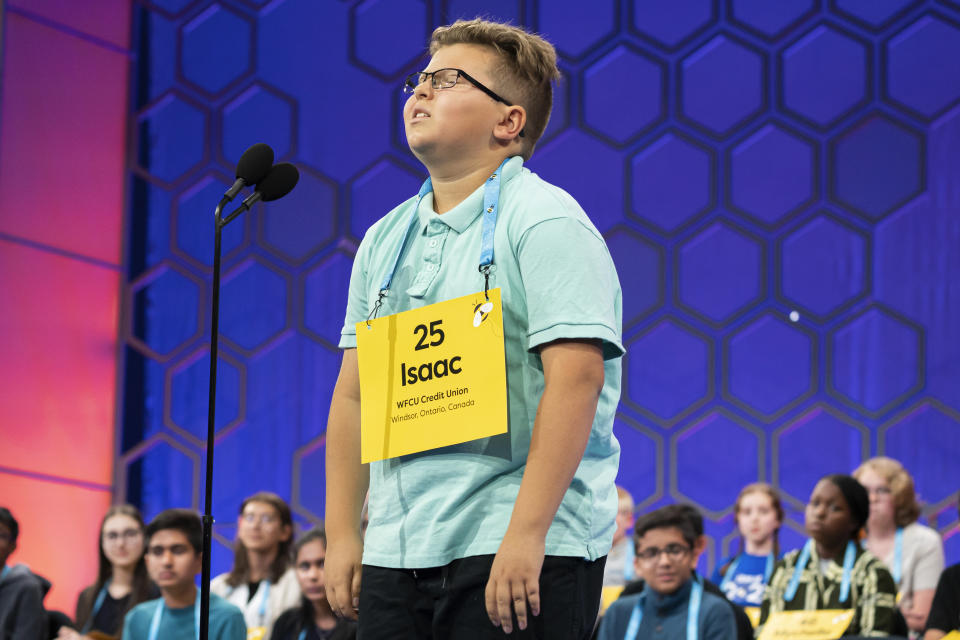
(779, 184)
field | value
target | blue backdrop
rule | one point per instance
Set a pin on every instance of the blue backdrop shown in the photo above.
(779, 184)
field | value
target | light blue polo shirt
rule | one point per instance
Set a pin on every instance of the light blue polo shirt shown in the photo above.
(558, 281)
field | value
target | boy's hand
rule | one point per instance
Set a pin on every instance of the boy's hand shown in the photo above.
(515, 581)
(342, 573)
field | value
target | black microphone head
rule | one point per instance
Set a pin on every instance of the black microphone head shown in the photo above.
(255, 163)
(279, 182)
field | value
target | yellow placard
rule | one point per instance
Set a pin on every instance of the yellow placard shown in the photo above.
(953, 635)
(256, 633)
(432, 377)
(825, 624)
(754, 614)
(608, 595)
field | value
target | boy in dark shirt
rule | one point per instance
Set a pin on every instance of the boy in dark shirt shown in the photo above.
(673, 603)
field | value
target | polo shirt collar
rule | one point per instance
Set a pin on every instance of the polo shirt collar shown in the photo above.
(463, 215)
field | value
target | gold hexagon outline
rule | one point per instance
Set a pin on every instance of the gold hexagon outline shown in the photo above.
(141, 449)
(182, 364)
(148, 277)
(675, 491)
(287, 277)
(920, 370)
(327, 242)
(215, 174)
(822, 213)
(727, 395)
(762, 286)
(696, 405)
(299, 454)
(775, 480)
(893, 421)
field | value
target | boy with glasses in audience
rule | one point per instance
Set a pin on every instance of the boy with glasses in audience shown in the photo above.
(491, 534)
(673, 603)
(174, 555)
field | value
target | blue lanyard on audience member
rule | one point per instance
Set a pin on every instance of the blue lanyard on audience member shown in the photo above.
(732, 571)
(693, 613)
(303, 635)
(491, 199)
(848, 558)
(155, 622)
(96, 607)
(898, 556)
(3, 574)
(628, 571)
(265, 588)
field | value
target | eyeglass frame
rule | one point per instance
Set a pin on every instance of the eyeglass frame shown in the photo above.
(127, 535)
(673, 551)
(409, 86)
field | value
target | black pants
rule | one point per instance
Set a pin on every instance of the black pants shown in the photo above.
(447, 603)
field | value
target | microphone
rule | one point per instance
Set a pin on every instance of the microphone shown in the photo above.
(254, 164)
(280, 181)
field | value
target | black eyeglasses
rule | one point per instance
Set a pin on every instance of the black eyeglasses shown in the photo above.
(446, 78)
(673, 551)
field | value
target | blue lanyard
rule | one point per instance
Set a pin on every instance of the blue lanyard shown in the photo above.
(693, 613)
(96, 607)
(628, 571)
(303, 635)
(732, 571)
(3, 574)
(491, 199)
(158, 613)
(263, 602)
(898, 556)
(848, 558)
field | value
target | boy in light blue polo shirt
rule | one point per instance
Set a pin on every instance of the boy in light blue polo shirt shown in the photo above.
(510, 531)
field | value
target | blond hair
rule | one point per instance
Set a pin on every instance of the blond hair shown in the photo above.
(905, 507)
(528, 66)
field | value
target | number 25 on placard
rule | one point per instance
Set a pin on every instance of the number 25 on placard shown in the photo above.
(434, 331)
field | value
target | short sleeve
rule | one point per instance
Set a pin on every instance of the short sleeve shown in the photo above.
(929, 563)
(357, 309)
(571, 286)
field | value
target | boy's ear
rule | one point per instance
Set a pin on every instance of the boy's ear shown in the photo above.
(511, 124)
(698, 548)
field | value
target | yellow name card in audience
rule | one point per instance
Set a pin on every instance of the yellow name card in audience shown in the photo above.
(826, 624)
(754, 614)
(953, 635)
(256, 633)
(432, 377)
(608, 595)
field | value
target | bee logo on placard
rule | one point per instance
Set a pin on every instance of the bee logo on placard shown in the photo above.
(480, 312)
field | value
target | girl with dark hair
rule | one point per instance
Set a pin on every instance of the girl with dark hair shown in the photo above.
(313, 619)
(758, 515)
(261, 583)
(122, 579)
(832, 571)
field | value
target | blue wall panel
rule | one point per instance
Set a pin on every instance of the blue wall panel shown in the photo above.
(779, 184)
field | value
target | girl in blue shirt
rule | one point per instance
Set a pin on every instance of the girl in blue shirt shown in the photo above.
(758, 515)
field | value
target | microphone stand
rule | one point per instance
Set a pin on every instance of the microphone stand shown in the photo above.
(219, 224)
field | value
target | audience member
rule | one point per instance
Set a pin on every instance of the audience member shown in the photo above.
(261, 583)
(21, 595)
(812, 578)
(619, 568)
(945, 610)
(174, 556)
(758, 514)
(313, 619)
(912, 552)
(673, 603)
(122, 581)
